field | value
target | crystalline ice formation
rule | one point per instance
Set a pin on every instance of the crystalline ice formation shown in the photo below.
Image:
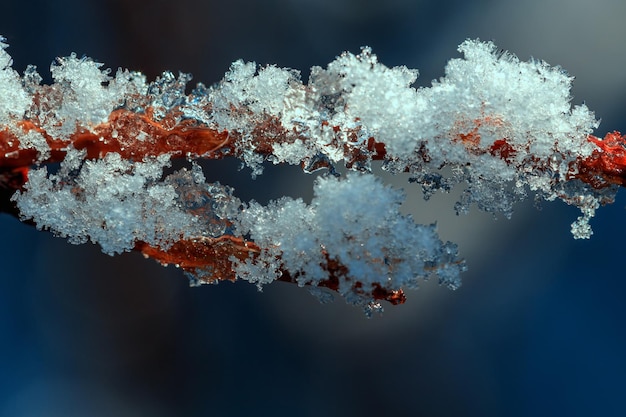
(115, 203)
(14, 100)
(354, 222)
(503, 127)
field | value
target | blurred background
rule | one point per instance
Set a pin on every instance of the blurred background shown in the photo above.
(536, 329)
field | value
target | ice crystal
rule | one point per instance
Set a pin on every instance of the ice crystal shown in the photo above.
(355, 222)
(115, 203)
(14, 100)
(503, 127)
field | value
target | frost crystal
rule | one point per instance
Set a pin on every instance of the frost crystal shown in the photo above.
(110, 202)
(83, 95)
(505, 127)
(354, 222)
(502, 127)
(14, 100)
(116, 203)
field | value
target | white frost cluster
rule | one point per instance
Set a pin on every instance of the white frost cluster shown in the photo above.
(264, 92)
(501, 126)
(356, 222)
(528, 103)
(13, 99)
(115, 203)
(85, 95)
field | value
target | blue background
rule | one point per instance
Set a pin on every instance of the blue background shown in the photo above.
(536, 329)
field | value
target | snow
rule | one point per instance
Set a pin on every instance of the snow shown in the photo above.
(356, 221)
(14, 100)
(115, 203)
(503, 127)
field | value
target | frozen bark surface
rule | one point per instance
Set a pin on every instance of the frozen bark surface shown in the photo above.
(503, 128)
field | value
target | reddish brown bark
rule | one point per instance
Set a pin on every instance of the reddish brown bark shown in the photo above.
(606, 165)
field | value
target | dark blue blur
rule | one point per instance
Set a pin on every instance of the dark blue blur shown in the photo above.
(537, 329)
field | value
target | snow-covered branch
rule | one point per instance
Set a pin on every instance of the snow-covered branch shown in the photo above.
(502, 127)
